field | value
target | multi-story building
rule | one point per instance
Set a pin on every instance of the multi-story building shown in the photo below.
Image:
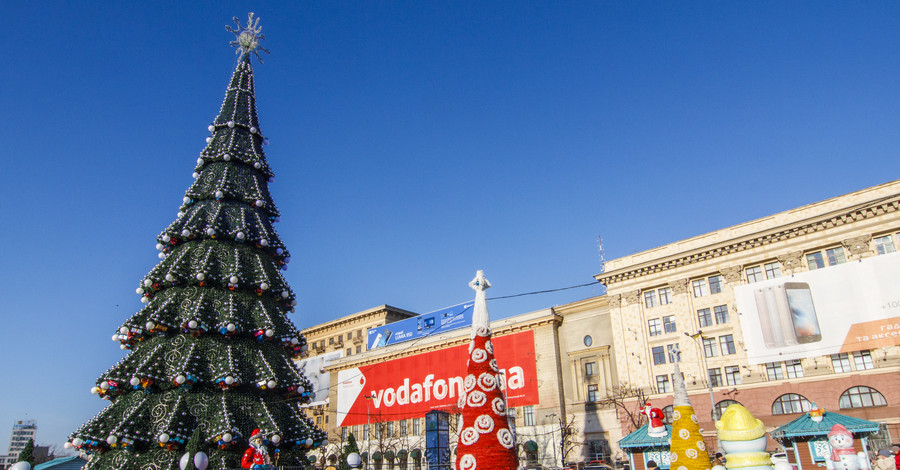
(22, 431)
(777, 313)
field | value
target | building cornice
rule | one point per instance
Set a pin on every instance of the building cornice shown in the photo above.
(375, 313)
(772, 234)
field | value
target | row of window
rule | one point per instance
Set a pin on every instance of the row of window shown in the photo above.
(814, 260)
(386, 429)
(861, 360)
(705, 316)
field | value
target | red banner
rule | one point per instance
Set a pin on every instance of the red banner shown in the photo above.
(412, 386)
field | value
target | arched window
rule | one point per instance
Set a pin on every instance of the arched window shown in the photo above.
(667, 414)
(790, 403)
(861, 397)
(720, 407)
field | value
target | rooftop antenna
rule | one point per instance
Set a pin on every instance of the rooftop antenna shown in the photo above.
(600, 252)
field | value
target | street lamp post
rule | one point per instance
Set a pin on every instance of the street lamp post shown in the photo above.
(368, 432)
(698, 337)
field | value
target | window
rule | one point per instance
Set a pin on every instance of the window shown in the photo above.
(665, 295)
(654, 325)
(835, 256)
(344, 432)
(659, 355)
(720, 406)
(667, 414)
(721, 312)
(704, 315)
(588, 341)
(863, 360)
(650, 299)
(663, 385)
(699, 287)
(790, 403)
(358, 349)
(815, 260)
(861, 397)
(349, 335)
(841, 362)
(709, 347)
(330, 340)
(773, 270)
(884, 245)
(715, 284)
(593, 393)
(349, 351)
(590, 368)
(727, 344)
(417, 426)
(732, 375)
(753, 274)
(669, 324)
(403, 429)
(715, 377)
(794, 369)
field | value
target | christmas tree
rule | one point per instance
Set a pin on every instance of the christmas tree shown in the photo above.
(211, 351)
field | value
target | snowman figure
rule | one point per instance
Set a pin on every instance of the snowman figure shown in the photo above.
(843, 456)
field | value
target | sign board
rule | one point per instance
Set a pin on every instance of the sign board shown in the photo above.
(847, 307)
(411, 386)
(446, 319)
(313, 368)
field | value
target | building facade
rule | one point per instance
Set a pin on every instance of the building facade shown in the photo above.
(22, 431)
(695, 298)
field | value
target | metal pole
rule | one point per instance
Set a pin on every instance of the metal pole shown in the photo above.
(698, 337)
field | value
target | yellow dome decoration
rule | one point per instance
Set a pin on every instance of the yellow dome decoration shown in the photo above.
(738, 424)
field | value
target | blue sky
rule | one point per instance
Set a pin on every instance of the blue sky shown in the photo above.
(413, 143)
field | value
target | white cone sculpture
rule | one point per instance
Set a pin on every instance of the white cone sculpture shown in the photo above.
(485, 441)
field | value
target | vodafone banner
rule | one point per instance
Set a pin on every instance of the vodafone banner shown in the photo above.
(412, 386)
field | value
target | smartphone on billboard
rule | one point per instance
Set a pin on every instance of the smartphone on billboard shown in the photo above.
(771, 335)
(803, 312)
(383, 339)
(778, 304)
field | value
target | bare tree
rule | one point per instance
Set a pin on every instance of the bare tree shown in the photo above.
(627, 400)
(569, 438)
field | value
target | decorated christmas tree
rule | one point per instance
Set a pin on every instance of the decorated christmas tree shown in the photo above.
(211, 351)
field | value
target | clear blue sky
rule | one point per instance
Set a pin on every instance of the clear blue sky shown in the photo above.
(413, 143)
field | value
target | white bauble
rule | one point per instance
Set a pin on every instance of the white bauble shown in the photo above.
(211, 127)
(264, 242)
(239, 235)
(180, 214)
(149, 325)
(123, 331)
(227, 436)
(139, 290)
(275, 439)
(263, 286)
(271, 384)
(284, 294)
(166, 238)
(185, 233)
(295, 341)
(270, 332)
(67, 445)
(192, 324)
(219, 194)
(170, 277)
(111, 440)
(253, 130)
(195, 175)
(200, 276)
(123, 347)
(148, 283)
(185, 460)
(309, 441)
(77, 441)
(209, 140)
(210, 231)
(257, 165)
(230, 327)
(115, 337)
(200, 161)
(134, 381)
(201, 461)
(163, 438)
(259, 203)
(104, 385)
(160, 247)
(95, 390)
(226, 157)
(186, 199)
(228, 381)
(233, 279)
(161, 256)
(180, 379)
(354, 460)
(231, 124)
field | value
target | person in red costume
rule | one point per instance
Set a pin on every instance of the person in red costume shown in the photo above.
(256, 456)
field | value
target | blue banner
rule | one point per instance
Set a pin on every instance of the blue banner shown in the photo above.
(446, 319)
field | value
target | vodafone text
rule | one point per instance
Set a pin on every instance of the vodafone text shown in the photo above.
(437, 389)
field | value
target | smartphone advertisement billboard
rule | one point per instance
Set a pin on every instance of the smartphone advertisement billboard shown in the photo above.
(843, 308)
(313, 368)
(411, 386)
(445, 319)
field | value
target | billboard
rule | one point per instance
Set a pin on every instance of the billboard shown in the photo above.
(411, 386)
(313, 368)
(445, 319)
(847, 307)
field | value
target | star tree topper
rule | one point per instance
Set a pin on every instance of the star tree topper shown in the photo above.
(247, 38)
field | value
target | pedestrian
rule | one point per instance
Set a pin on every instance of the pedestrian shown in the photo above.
(896, 451)
(885, 460)
(718, 460)
(651, 465)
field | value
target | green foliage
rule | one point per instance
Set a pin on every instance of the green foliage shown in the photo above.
(351, 446)
(27, 454)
